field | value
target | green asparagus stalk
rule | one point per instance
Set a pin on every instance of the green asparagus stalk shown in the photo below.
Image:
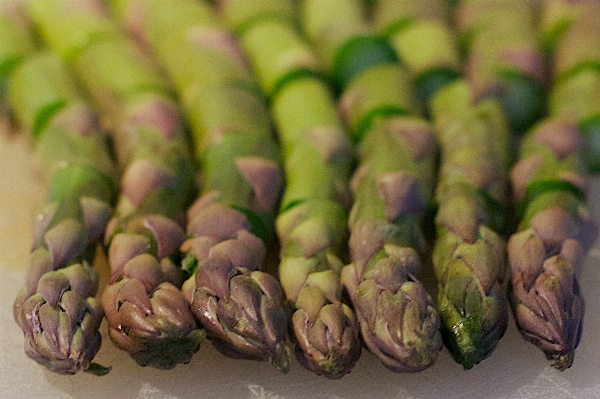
(368, 104)
(317, 154)
(420, 33)
(575, 59)
(399, 322)
(469, 252)
(57, 309)
(231, 224)
(555, 232)
(392, 187)
(148, 315)
(504, 58)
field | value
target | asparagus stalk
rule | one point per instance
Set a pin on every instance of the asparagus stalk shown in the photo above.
(469, 252)
(504, 57)
(231, 224)
(398, 320)
(311, 225)
(421, 34)
(555, 232)
(392, 187)
(148, 315)
(56, 308)
(575, 59)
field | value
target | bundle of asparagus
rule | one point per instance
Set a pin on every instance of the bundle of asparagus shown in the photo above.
(148, 315)
(421, 35)
(231, 224)
(554, 234)
(503, 57)
(469, 252)
(392, 186)
(573, 33)
(165, 281)
(317, 156)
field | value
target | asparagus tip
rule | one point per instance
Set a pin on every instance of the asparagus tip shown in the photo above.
(562, 361)
(281, 358)
(168, 351)
(468, 344)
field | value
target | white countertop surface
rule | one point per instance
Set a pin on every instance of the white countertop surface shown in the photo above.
(516, 370)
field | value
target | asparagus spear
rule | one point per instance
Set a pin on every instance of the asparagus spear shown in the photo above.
(392, 187)
(421, 34)
(469, 252)
(148, 315)
(575, 59)
(57, 309)
(554, 234)
(504, 57)
(311, 225)
(398, 321)
(231, 224)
